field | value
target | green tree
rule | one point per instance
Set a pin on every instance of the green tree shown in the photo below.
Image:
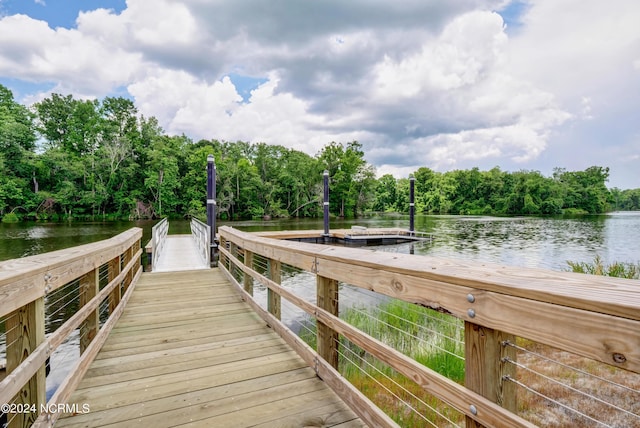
(385, 194)
(162, 173)
(17, 143)
(352, 178)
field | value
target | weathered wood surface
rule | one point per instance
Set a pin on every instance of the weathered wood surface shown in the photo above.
(24, 280)
(180, 252)
(188, 350)
(433, 383)
(596, 317)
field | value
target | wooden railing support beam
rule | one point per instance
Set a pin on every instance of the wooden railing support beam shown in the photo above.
(247, 281)
(89, 287)
(233, 249)
(485, 368)
(327, 338)
(25, 331)
(116, 295)
(274, 305)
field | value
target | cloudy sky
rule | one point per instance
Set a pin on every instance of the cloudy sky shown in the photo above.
(444, 84)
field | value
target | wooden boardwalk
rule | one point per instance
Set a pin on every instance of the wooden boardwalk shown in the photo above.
(188, 351)
(180, 252)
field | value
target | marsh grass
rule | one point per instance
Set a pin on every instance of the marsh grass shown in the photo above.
(615, 269)
(598, 382)
(431, 338)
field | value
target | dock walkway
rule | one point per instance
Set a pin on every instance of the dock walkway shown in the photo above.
(188, 351)
(180, 253)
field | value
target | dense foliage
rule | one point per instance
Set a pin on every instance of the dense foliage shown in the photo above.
(71, 158)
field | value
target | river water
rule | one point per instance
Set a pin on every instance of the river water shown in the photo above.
(517, 241)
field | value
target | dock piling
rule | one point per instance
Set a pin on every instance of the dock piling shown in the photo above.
(211, 207)
(412, 205)
(325, 176)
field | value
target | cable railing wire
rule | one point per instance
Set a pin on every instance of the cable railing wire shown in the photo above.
(418, 399)
(556, 402)
(420, 340)
(384, 299)
(577, 391)
(456, 326)
(561, 364)
(422, 327)
(55, 294)
(381, 385)
(75, 300)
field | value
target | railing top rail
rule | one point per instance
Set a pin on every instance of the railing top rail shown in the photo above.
(26, 279)
(162, 223)
(613, 296)
(199, 222)
(201, 232)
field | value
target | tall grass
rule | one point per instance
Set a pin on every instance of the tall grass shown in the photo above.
(598, 267)
(437, 341)
(433, 339)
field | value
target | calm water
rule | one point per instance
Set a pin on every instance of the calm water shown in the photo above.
(518, 241)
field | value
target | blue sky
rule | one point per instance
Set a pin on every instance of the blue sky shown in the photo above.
(58, 13)
(448, 85)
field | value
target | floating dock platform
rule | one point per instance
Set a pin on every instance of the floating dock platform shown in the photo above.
(357, 236)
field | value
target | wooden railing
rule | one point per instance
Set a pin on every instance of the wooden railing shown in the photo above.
(102, 272)
(158, 238)
(201, 233)
(594, 317)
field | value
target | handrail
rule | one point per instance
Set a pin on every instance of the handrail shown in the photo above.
(595, 317)
(158, 238)
(24, 286)
(201, 233)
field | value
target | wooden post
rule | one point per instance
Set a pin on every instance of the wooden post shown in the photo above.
(233, 249)
(273, 299)
(127, 256)
(327, 299)
(484, 369)
(223, 258)
(114, 297)
(89, 287)
(248, 279)
(25, 331)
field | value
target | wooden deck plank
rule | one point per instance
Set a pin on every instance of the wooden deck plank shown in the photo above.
(196, 354)
(172, 406)
(283, 405)
(188, 363)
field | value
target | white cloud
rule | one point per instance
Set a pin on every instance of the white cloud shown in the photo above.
(81, 63)
(425, 83)
(460, 56)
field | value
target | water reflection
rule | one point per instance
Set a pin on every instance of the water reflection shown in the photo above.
(27, 239)
(520, 241)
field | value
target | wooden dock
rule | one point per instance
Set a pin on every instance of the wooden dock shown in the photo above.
(193, 347)
(188, 351)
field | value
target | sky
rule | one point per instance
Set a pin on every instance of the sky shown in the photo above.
(522, 85)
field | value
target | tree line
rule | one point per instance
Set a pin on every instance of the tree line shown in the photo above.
(100, 159)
